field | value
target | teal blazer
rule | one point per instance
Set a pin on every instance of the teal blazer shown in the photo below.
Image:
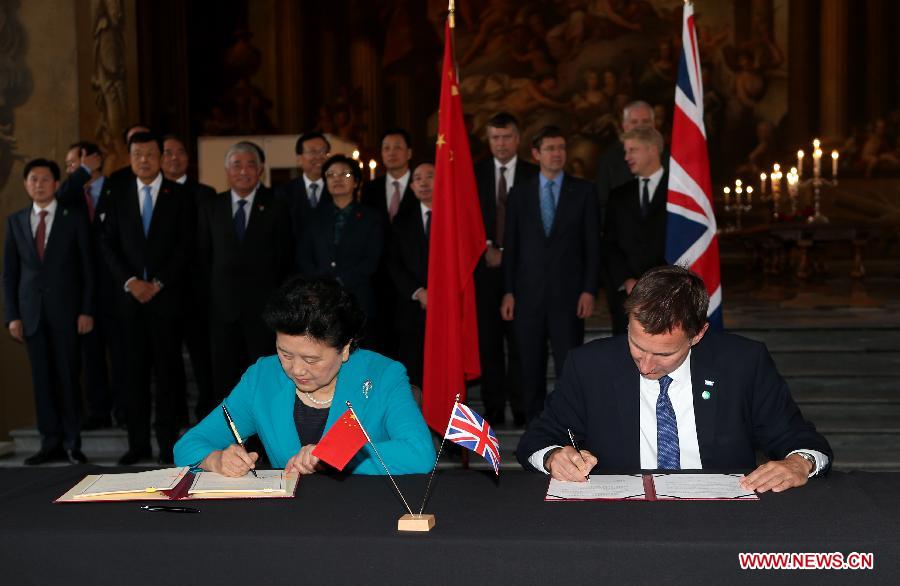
(263, 403)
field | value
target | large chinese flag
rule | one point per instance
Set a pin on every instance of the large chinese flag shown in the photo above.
(342, 441)
(456, 243)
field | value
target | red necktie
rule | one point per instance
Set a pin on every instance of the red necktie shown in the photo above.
(40, 235)
(89, 200)
(395, 201)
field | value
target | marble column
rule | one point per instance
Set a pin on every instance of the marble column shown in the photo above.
(877, 60)
(365, 71)
(834, 61)
(803, 54)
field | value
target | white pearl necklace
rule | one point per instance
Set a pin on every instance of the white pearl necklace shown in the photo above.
(313, 399)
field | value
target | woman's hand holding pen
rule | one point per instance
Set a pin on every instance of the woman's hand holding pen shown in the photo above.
(233, 461)
(303, 462)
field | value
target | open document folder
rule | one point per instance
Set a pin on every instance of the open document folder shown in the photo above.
(180, 484)
(651, 487)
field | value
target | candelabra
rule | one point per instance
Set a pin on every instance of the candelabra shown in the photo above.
(738, 207)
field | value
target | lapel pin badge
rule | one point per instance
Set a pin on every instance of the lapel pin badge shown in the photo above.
(705, 395)
(367, 386)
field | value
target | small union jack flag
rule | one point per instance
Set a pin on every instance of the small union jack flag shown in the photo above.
(471, 431)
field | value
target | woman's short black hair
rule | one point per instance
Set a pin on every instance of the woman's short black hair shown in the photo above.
(319, 308)
(353, 164)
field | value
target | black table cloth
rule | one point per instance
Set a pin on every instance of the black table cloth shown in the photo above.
(489, 530)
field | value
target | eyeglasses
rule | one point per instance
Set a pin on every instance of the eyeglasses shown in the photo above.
(315, 152)
(336, 175)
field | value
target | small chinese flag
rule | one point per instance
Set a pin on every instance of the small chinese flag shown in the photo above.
(342, 441)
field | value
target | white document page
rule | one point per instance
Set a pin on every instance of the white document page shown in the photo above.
(268, 481)
(601, 486)
(150, 481)
(700, 486)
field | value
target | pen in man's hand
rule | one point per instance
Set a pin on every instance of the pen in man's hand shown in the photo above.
(234, 432)
(164, 509)
(572, 439)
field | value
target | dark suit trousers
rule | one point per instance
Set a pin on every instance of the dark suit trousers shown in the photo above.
(235, 346)
(152, 347)
(96, 371)
(53, 352)
(532, 333)
(196, 338)
(118, 361)
(499, 378)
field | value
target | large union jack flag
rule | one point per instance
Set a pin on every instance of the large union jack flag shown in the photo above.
(691, 228)
(469, 430)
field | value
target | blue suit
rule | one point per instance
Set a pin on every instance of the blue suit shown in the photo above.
(263, 403)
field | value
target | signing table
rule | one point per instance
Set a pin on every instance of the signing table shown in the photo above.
(343, 531)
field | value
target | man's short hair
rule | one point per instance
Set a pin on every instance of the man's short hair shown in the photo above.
(308, 136)
(89, 148)
(174, 137)
(399, 131)
(649, 136)
(638, 104)
(129, 129)
(145, 137)
(669, 297)
(244, 146)
(502, 120)
(546, 132)
(37, 163)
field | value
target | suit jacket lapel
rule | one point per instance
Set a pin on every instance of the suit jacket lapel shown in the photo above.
(60, 223)
(702, 370)
(257, 215)
(627, 392)
(563, 203)
(24, 221)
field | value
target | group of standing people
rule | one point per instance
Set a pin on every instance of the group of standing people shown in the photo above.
(146, 260)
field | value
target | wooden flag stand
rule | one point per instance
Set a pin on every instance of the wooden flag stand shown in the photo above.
(415, 523)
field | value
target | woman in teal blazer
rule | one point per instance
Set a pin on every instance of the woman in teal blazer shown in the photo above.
(293, 398)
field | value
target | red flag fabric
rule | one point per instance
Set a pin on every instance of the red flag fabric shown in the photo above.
(342, 441)
(456, 243)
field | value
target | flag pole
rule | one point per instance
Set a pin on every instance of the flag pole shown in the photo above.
(374, 449)
(440, 450)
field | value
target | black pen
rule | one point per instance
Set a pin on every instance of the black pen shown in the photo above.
(572, 439)
(234, 432)
(164, 509)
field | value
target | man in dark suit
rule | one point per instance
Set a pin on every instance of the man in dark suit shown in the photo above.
(635, 234)
(550, 264)
(244, 247)
(408, 264)
(306, 192)
(195, 327)
(674, 395)
(612, 170)
(85, 188)
(389, 194)
(147, 241)
(122, 177)
(496, 176)
(49, 288)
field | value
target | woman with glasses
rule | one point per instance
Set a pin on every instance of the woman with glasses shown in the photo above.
(344, 239)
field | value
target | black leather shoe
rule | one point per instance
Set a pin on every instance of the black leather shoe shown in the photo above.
(132, 457)
(76, 456)
(95, 422)
(44, 456)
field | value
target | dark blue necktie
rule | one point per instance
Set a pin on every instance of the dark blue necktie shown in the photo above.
(548, 206)
(240, 220)
(668, 454)
(313, 196)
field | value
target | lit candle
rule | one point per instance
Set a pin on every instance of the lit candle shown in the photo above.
(362, 165)
(800, 155)
(727, 193)
(355, 155)
(834, 164)
(816, 144)
(776, 167)
(749, 194)
(737, 195)
(762, 183)
(817, 162)
(372, 165)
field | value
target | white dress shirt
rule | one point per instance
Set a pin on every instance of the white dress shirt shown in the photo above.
(181, 180)
(321, 187)
(154, 191)
(510, 173)
(48, 221)
(389, 186)
(654, 178)
(249, 199)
